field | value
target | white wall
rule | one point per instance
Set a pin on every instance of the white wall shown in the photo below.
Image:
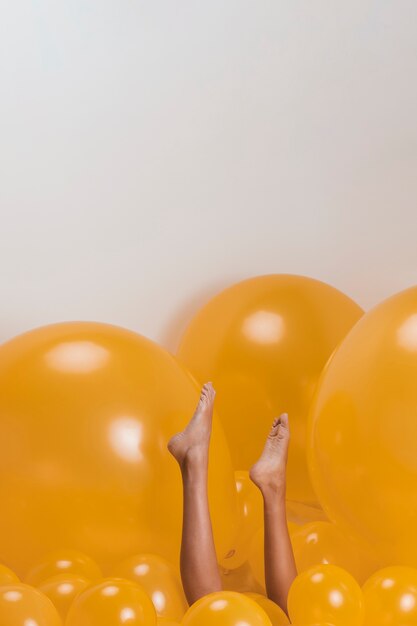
(153, 152)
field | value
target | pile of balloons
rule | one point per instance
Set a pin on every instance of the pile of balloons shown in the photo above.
(91, 501)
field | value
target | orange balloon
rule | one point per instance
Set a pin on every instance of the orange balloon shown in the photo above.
(264, 342)
(159, 579)
(62, 589)
(326, 593)
(274, 612)
(250, 512)
(112, 602)
(7, 576)
(390, 597)
(21, 605)
(241, 579)
(364, 431)
(86, 411)
(322, 542)
(63, 562)
(225, 608)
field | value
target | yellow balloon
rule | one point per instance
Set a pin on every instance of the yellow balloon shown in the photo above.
(21, 605)
(323, 542)
(7, 576)
(263, 342)
(390, 597)
(241, 579)
(86, 411)
(225, 608)
(112, 602)
(256, 553)
(63, 562)
(162, 621)
(363, 427)
(159, 579)
(62, 590)
(274, 612)
(326, 593)
(250, 515)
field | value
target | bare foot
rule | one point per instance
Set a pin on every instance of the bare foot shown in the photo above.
(193, 442)
(269, 472)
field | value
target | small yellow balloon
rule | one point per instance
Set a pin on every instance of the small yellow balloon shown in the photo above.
(363, 431)
(159, 579)
(112, 602)
(62, 590)
(7, 576)
(21, 605)
(390, 597)
(264, 342)
(162, 621)
(63, 562)
(225, 608)
(274, 612)
(326, 593)
(322, 542)
(250, 517)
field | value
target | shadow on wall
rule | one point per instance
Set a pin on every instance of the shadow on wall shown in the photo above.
(172, 333)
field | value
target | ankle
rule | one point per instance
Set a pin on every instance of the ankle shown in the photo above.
(194, 463)
(274, 492)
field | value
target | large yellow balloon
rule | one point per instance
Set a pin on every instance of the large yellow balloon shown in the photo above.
(322, 542)
(63, 562)
(112, 602)
(86, 411)
(21, 605)
(364, 430)
(159, 579)
(263, 343)
(62, 590)
(225, 608)
(390, 597)
(250, 512)
(326, 593)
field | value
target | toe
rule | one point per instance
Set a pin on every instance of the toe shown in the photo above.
(284, 420)
(209, 391)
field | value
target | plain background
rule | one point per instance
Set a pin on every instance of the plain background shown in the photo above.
(154, 152)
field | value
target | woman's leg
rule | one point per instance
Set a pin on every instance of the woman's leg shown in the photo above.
(269, 474)
(199, 569)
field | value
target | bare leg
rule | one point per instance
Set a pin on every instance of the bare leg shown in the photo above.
(199, 570)
(269, 474)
